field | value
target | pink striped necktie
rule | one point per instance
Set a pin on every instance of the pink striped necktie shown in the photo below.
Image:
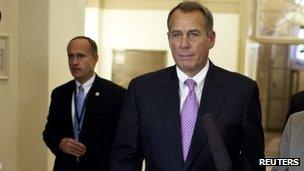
(188, 117)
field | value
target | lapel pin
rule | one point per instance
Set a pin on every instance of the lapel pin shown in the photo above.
(97, 94)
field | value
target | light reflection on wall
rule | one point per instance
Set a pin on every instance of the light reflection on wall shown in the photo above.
(299, 2)
(300, 48)
(91, 25)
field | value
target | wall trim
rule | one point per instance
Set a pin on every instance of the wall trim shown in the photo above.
(216, 6)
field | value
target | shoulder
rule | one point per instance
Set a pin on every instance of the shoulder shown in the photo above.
(294, 127)
(108, 85)
(296, 119)
(156, 75)
(154, 79)
(231, 78)
(70, 85)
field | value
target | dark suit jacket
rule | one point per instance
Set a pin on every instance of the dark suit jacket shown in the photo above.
(99, 125)
(149, 125)
(296, 104)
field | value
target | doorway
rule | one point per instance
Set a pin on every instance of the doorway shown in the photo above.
(128, 64)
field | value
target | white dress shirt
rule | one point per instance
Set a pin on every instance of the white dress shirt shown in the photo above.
(86, 88)
(199, 78)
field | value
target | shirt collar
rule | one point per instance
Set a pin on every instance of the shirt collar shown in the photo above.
(199, 78)
(87, 85)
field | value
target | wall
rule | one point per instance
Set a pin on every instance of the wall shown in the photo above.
(225, 51)
(32, 83)
(131, 29)
(66, 20)
(44, 32)
(146, 29)
(8, 88)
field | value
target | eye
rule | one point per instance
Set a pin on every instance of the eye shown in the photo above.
(70, 56)
(193, 35)
(176, 35)
(80, 56)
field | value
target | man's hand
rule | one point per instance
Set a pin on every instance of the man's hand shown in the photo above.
(73, 147)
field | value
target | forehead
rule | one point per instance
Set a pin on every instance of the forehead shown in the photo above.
(79, 44)
(193, 19)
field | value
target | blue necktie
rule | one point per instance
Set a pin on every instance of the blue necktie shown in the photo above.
(79, 101)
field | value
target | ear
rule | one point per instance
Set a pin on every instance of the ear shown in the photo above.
(96, 57)
(212, 40)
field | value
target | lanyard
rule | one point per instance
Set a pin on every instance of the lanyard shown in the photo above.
(79, 118)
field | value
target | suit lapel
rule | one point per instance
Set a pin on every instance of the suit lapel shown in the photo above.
(95, 93)
(211, 102)
(168, 99)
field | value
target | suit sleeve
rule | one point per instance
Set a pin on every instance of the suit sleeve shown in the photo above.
(51, 133)
(253, 146)
(284, 145)
(127, 152)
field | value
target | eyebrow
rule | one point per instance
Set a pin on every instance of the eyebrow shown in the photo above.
(176, 31)
(77, 53)
(194, 30)
(179, 31)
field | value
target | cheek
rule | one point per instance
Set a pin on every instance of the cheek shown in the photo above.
(93, 63)
(201, 47)
(173, 46)
(90, 65)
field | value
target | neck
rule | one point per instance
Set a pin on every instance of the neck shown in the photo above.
(192, 73)
(83, 80)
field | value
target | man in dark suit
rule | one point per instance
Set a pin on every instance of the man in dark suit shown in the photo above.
(83, 113)
(296, 104)
(161, 116)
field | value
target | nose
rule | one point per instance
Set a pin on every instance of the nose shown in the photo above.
(74, 60)
(185, 44)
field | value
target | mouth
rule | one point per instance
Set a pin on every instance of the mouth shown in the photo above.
(186, 55)
(76, 69)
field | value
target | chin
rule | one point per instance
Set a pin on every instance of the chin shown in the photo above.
(77, 76)
(186, 67)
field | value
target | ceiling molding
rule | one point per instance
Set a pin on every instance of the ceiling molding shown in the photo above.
(216, 6)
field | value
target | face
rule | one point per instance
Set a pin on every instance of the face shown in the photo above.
(81, 60)
(189, 41)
